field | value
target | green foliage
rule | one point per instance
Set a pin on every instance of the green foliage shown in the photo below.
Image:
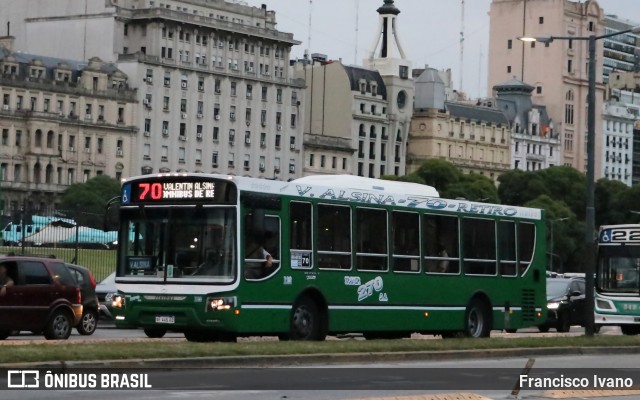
(517, 187)
(473, 187)
(566, 184)
(85, 202)
(568, 247)
(608, 198)
(413, 178)
(439, 174)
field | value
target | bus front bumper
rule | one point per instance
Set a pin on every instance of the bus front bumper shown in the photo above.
(174, 319)
(612, 319)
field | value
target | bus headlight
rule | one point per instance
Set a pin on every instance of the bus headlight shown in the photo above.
(118, 301)
(553, 305)
(221, 303)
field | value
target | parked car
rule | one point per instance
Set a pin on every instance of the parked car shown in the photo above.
(44, 298)
(565, 304)
(90, 305)
(105, 291)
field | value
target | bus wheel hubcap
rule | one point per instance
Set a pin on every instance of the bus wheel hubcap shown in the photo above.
(302, 320)
(475, 322)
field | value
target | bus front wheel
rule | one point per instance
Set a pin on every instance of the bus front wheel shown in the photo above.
(306, 321)
(630, 329)
(155, 333)
(477, 319)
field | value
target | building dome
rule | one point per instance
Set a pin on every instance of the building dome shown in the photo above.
(388, 8)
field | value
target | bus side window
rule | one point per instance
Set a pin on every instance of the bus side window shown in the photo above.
(507, 245)
(406, 241)
(479, 246)
(334, 237)
(526, 244)
(300, 217)
(258, 249)
(440, 238)
(371, 239)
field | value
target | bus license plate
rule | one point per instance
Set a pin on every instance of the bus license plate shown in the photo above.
(165, 319)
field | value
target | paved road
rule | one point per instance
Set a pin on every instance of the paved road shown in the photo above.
(213, 384)
(107, 331)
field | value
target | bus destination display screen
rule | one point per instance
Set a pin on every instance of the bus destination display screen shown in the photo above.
(186, 190)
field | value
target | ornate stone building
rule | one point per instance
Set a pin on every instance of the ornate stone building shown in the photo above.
(61, 122)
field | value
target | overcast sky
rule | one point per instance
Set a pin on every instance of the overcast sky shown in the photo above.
(429, 31)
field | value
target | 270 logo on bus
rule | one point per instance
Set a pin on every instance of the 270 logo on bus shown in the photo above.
(366, 290)
(620, 235)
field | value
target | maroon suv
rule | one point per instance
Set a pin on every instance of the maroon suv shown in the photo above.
(44, 298)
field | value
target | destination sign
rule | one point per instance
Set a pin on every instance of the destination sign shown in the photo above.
(169, 191)
(620, 235)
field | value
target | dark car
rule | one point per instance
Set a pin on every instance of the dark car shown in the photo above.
(44, 298)
(565, 304)
(105, 291)
(90, 305)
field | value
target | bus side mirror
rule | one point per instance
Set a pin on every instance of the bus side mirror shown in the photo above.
(111, 218)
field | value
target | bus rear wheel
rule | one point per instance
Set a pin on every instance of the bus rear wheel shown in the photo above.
(630, 329)
(306, 321)
(477, 320)
(155, 333)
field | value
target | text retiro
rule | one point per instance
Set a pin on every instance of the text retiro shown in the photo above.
(566, 382)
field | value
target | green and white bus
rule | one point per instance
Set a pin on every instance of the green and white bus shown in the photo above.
(218, 257)
(617, 294)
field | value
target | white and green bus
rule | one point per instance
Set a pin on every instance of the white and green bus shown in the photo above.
(617, 294)
(218, 257)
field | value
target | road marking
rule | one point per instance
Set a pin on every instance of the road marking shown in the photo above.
(447, 396)
(570, 394)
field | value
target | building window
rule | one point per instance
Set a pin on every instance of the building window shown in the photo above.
(570, 66)
(538, 89)
(38, 138)
(508, 69)
(541, 20)
(568, 114)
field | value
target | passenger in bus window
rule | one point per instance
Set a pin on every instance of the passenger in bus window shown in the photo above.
(443, 265)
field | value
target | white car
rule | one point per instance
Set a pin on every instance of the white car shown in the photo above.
(105, 291)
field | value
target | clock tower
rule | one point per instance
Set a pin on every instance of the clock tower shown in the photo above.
(389, 59)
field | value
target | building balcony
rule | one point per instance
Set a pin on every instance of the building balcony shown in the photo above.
(208, 22)
(61, 118)
(149, 59)
(72, 88)
(32, 187)
(536, 157)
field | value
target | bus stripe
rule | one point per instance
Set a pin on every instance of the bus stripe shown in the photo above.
(371, 307)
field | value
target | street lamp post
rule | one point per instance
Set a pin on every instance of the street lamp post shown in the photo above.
(553, 221)
(590, 224)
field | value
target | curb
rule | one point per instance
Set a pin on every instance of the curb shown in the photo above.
(330, 359)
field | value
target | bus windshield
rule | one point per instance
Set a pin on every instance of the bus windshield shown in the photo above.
(179, 244)
(618, 269)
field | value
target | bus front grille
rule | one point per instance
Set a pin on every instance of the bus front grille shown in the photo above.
(528, 305)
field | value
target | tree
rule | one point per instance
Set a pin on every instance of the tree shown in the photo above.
(517, 187)
(609, 195)
(413, 178)
(85, 202)
(568, 233)
(474, 187)
(439, 174)
(566, 184)
(626, 202)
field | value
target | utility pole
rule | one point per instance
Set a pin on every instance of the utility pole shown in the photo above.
(462, 48)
